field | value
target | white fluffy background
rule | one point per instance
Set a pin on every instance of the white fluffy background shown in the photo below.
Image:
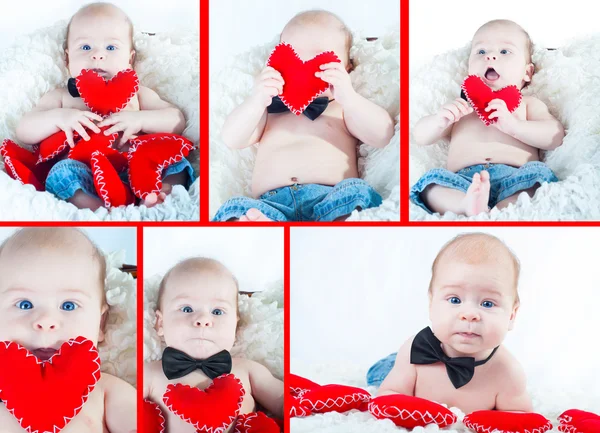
(376, 77)
(167, 63)
(118, 351)
(259, 336)
(568, 81)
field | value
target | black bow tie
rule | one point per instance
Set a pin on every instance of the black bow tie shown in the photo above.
(314, 109)
(72, 87)
(427, 349)
(176, 364)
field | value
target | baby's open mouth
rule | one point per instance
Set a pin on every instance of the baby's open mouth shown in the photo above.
(491, 74)
(44, 353)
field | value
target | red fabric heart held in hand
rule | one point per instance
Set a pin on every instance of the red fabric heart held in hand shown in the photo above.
(154, 421)
(579, 421)
(479, 95)
(210, 410)
(105, 97)
(29, 387)
(301, 86)
(410, 412)
(255, 422)
(485, 421)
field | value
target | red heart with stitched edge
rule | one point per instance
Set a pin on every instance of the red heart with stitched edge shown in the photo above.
(149, 155)
(20, 164)
(484, 421)
(109, 185)
(154, 421)
(35, 391)
(335, 398)
(299, 407)
(301, 86)
(211, 410)
(410, 412)
(299, 385)
(54, 146)
(479, 95)
(579, 421)
(105, 97)
(83, 150)
(255, 422)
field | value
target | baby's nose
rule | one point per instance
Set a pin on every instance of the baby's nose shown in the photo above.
(97, 56)
(203, 323)
(470, 316)
(489, 57)
(46, 323)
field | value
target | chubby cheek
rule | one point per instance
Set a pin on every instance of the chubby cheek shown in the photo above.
(441, 320)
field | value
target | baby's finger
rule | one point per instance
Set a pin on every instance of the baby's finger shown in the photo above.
(69, 135)
(90, 125)
(81, 131)
(272, 91)
(92, 116)
(455, 111)
(108, 121)
(271, 74)
(462, 108)
(493, 115)
(464, 103)
(447, 114)
(115, 128)
(332, 65)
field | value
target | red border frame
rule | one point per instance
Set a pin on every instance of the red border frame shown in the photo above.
(140, 328)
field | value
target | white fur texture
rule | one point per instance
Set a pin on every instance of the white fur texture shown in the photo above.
(548, 400)
(567, 80)
(167, 63)
(260, 332)
(376, 77)
(118, 351)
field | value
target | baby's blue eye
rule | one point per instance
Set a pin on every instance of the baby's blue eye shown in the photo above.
(25, 305)
(481, 52)
(111, 48)
(68, 306)
(487, 304)
(217, 312)
(504, 51)
(86, 47)
(454, 300)
(187, 309)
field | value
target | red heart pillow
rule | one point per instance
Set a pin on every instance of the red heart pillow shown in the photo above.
(485, 421)
(301, 86)
(212, 409)
(579, 421)
(29, 387)
(335, 398)
(109, 185)
(105, 97)
(20, 164)
(410, 412)
(255, 422)
(479, 95)
(149, 155)
(99, 142)
(299, 407)
(298, 385)
(55, 145)
(154, 421)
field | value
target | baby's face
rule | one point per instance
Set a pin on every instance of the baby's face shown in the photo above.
(472, 305)
(48, 296)
(499, 56)
(100, 42)
(199, 312)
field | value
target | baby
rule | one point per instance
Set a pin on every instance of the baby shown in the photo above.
(473, 302)
(489, 165)
(100, 37)
(306, 170)
(197, 314)
(52, 290)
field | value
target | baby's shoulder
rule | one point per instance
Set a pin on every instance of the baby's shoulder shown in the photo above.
(507, 366)
(110, 383)
(53, 99)
(152, 368)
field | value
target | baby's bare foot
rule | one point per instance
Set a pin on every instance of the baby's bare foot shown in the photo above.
(153, 199)
(478, 194)
(150, 200)
(254, 215)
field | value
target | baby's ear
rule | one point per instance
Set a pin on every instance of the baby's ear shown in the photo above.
(67, 56)
(132, 58)
(159, 323)
(513, 316)
(529, 70)
(103, 319)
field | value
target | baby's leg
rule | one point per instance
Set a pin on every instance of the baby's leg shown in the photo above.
(81, 200)
(73, 182)
(442, 199)
(253, 214)
(513, 198)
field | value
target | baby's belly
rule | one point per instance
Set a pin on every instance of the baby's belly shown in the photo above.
(304, 159)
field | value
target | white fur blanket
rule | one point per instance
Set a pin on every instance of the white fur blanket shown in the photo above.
(567, 80)
(118, 351)
(548, 399)
(260, 332)
(167, 63)
(376, 77)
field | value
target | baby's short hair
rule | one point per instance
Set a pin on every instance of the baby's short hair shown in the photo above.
(477, 248)
(95, 8)
(528, 41)
(53, 237)
(198, 264)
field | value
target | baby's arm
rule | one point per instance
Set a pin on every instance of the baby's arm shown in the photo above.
(120, 412)
(436, 126)
(158, 115)
(514, 397)
(266, 389)
(403, 377)
(48, 117)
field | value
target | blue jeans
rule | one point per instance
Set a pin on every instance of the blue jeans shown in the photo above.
(379, 371)
(68, 176)
(306, 202)
(505, 180)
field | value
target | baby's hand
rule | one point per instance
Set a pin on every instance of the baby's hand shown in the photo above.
(506, 121)
(71, 119)
(128, 122)
(453, 111)
(267, 84)
(336, 75)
